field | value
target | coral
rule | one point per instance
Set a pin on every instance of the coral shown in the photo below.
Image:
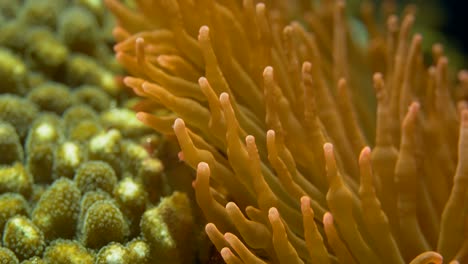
(150, 175)
(169, 230)
(12, 204)
(106, 146)
(53, 97)
(56, 213)
(41, 12)
(139, 251)
(95, 175)
(23, 237)
(46, 131)
(123, 120)
(33, 260)
(92, 96)
(78, 29)
(112, 254)
(275, 115)
(10, 145)
(18, 112)
(13, 73)
(132, 200)
(66, 126)
(44, 51)
(87, 200)
(8, 257)
(67, 252)
(82, 69)
(15, 178)
(133, 155)
(67, 158)
(103, 223)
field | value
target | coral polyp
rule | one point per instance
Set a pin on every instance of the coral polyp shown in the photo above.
(275, 104)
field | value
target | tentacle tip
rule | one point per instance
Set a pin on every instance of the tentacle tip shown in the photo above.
(226, 253)
(377, 77)
(327, 218)
(211, 228)
(202, 81)
(203, 167)
(268, 71)
(204, 32)
(365, 152)
(224, 98)
(181, 156)
(260, 7)
(418, 37)
(271, 133)
(305, 203)
(306, 66)
(179, 124)
(414, 108)
(231, 206)
(249, 139)
(328, 148)
(140, 41)
(273, 214)
(140, 116)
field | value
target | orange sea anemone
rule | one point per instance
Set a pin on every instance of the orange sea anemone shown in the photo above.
(276, 114)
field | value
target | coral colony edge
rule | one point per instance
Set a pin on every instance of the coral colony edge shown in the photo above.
(276, 115)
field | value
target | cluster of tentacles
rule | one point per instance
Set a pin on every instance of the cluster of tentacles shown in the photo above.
(276, 116)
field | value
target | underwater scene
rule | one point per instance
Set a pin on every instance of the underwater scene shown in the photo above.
(233, 131)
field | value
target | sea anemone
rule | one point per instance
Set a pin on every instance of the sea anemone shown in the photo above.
(277, 115)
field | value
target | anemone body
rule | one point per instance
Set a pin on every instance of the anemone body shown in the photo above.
(276, 114)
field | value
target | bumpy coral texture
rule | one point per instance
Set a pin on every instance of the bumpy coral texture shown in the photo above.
(276, 116)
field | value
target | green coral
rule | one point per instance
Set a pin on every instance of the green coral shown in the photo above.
(67, 252)
(67, 158)
(16, 179)
(51, 96)
(132, 200)
(18, 112)
(102, 224)
(11, 204)
(150, 174)
(41, 142)
(82, 69)
(77, 169)
(106, 146)
(94, 97)
(44, 51)
(95, 175)
(169, 230)
(78, 29)
(7, 256)
(13, 73)
(113, 253)
(10, 145)
(23, 237)
(139, 251)
(56, 213)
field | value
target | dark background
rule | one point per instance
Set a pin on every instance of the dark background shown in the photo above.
(456, 25)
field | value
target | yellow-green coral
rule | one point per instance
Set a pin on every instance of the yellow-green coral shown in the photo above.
(67, 252)
(23, 237)
(169, 230)
(12, 204)
(10, 145)
(53, 97)
(102, 224)
(95, 175)
(56, 213)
